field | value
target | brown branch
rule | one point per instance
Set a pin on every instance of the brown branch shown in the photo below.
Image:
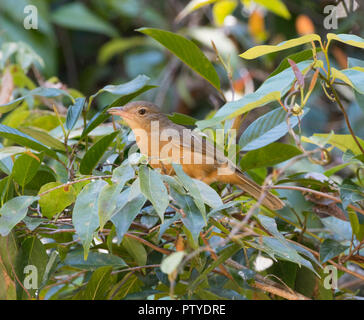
(319, 193)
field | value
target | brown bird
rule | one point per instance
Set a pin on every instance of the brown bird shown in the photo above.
(165, 142)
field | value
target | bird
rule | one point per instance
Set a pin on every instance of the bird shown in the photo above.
(165, 142)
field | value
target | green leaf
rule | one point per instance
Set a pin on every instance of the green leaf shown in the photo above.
(271, 90)
(350, 39)
(191, 187)
(13, 211)
(208, 194)
(151, 185)
(343, 142)
(57, 200)
(94, 154)
(266, 129)
(40, 91)
(99, 284)
(110, 199)
(194, 220)
(6, 152)
(182, 119)
(85, 215)
(136, 250)
(281, 250)
(49, 92)
(187, 51)
(258, 51)
(25, 140)
(268, 156)
(24, 169)
(296, 57)
(44, 175)
(353, 77)
(126, 88)
(94, 260)
(126, 215)
(74, 112)
(33, 253)
(43, 137)
(358, 229)
(276, 6)
(171, 263)
(77, 16)
(330, 249)
(280, 246)
(4, 108)
(352, 62)
(350, 193)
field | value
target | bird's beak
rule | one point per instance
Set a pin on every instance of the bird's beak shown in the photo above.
(118, 111)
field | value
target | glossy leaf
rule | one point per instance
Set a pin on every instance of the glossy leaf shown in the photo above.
(191, 187)
(85, 216)
(110, 198)
(330, 249)
(352, 77)
(151, 185)
(171, 263)
(268, 156)
(350, 193)
(74, 112)
(194, 220)
(126, 215)
(13, 211)
(187, 51)
(94, 260)
(266, 129)
(208, 194)
(350, 39)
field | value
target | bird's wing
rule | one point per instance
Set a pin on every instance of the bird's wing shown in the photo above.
(195, 143)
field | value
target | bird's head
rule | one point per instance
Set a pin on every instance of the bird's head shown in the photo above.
(139, 114)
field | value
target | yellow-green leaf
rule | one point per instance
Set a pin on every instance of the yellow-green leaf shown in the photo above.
(258, 51)
(343, 142)
(350, 39)
(275, 6)
(222, 9)
(57, 200)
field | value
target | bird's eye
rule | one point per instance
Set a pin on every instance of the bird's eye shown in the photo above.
(141, 111)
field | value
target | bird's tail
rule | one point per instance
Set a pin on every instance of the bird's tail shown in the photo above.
(270, 200)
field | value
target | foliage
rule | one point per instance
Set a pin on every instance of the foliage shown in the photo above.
(81, 204)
